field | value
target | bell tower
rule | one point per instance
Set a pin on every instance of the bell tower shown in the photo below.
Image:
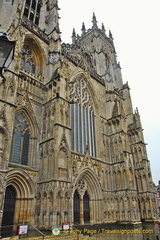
(99, 51)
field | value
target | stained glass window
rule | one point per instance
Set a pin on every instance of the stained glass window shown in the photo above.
(27, 61)
(20, 142)
(82, 130)
(82, 118)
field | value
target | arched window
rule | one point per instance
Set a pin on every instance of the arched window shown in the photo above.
(32, 10)
(82, 119)
(86, 208)
(76, 208)
(82, 130)
(20, 142)
(28, 61)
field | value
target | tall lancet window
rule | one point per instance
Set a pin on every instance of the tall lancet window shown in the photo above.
(20, 141)
(32, 10)
(82, 119)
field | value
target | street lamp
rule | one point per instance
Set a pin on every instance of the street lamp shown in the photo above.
(6, 53)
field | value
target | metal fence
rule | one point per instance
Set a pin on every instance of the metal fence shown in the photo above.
(22, 231)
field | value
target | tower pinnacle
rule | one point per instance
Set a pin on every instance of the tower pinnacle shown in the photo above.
(103, 28)
(110, 35)
(73, 36)
(94, 21)
(83, 28)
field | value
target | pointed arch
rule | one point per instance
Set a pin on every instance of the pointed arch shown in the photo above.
(33, 56)
(76, 200)
(26, 108)
(94, 186)
(82, 117)
(80, 74)
(63, 163)
(24, 139)
(94, 191)
(86, 207)
(10, 92)
(64, 142)
(25, 192)
(20, 142)
(22, 183)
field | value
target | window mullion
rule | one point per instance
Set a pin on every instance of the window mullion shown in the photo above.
(72, 126)
(86, 126)
(81, 130)
(35, 12)
(77, 124)
(30, 9)
(94, 136)
(89, 133)
(84, 130)
(78, 129)
(75, 128)
(21, 148)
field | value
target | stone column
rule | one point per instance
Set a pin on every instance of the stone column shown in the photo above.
(47, 211)
(81, 211)
(91, 210)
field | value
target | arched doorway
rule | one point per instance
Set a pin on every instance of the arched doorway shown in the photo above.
(19, 198)
(8, 212)
(87, 198)
(76, 208)
(86, 208)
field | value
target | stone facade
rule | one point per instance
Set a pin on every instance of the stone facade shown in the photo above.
(71, 146)
(158, 197)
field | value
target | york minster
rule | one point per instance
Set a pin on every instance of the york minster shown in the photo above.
(71, 145)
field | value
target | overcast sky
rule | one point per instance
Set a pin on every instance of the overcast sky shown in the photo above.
(135, 26)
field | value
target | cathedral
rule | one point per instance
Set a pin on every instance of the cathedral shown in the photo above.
(71, 145)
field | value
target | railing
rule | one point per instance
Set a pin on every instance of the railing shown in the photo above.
(12, 230)
(32, 231)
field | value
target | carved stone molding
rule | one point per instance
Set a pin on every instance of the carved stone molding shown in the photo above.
(53, 57)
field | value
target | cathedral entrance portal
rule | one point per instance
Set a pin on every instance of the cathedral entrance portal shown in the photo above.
(18, 205)
(81, 208)
(87, 198)
(9, 209)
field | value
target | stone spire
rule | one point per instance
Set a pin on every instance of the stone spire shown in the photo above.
(110, 35)
(103, 28)
(94, 21)
(83, 28)
(73, 36)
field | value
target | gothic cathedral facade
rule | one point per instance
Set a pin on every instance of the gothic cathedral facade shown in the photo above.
(71, 146)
